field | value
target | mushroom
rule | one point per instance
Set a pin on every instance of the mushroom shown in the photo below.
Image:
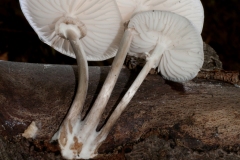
(169, 42)
(151, 38)
(144, 44)
(87, 30)
(191, 9)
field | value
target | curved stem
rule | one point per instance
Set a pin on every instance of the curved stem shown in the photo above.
(94, 116)
(78, 102)
(72, 122)
(159, 49)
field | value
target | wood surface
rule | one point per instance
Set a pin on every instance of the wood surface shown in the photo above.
(199, 119)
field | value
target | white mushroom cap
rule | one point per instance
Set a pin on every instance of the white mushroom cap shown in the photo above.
(182, 45)
(98, 20)
(191, 9)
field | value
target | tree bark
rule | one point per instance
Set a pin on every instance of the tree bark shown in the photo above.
(199, 119)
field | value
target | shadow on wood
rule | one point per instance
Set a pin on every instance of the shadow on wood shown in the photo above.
(193, 120)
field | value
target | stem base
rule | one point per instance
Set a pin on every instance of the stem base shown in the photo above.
(76, 144)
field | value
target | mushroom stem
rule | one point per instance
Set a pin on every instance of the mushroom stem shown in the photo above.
(94, 115)
(67, 134)
(151, 63)
(79, 139)
(78, 102)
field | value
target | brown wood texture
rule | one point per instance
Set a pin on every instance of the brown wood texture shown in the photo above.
(194, 120)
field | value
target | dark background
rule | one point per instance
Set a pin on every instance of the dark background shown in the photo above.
(18, 42)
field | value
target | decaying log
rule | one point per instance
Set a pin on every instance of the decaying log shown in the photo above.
(199, 119)
(226, 76)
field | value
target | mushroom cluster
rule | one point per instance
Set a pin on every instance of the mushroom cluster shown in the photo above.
(166, 32)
